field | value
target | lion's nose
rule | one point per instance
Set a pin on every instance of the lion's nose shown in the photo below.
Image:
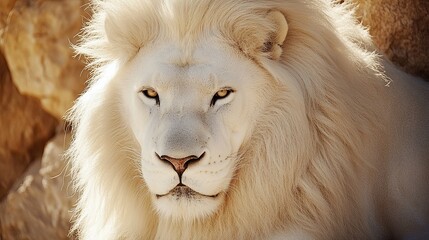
(180, 164)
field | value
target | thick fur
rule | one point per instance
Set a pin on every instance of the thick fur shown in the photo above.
(353, 165)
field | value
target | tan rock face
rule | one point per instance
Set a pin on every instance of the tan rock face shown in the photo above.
(24, 129)
(40, 207)
(37, 74)
(400, 29)
(36, 43)
(5, 7)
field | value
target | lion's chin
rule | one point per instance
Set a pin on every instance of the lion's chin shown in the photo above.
(184, 203)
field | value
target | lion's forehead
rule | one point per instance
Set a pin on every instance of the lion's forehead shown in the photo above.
(206, 68)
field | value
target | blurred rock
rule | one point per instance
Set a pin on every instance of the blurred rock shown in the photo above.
(25, 128)
(36, 43)
(5, 7)
(400, 29)
(40, 206)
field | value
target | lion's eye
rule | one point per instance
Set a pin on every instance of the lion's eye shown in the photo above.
(150, 93)
(221, 94)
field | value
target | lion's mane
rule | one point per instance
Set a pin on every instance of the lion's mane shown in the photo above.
(316, 187)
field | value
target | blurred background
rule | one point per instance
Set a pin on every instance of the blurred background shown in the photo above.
(40, 78)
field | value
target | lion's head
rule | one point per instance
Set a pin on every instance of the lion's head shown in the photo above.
(220, 113)
(190, 110)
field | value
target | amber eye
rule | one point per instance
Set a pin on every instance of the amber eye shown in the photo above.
(150, 93)
(223, 93)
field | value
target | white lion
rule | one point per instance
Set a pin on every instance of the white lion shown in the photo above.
(245, 119)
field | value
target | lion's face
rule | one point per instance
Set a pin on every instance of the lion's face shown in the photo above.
(190, 118)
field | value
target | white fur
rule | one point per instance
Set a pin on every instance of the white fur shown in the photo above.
(321, 138)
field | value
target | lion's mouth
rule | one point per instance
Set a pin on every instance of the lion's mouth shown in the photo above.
(183, 191)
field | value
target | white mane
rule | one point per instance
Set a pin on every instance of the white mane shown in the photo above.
(299, 173)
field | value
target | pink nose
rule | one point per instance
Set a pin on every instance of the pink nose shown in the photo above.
(180, 164)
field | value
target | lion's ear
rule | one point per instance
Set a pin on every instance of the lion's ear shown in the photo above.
(125, 40)
(273, 45)
(262, 35)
